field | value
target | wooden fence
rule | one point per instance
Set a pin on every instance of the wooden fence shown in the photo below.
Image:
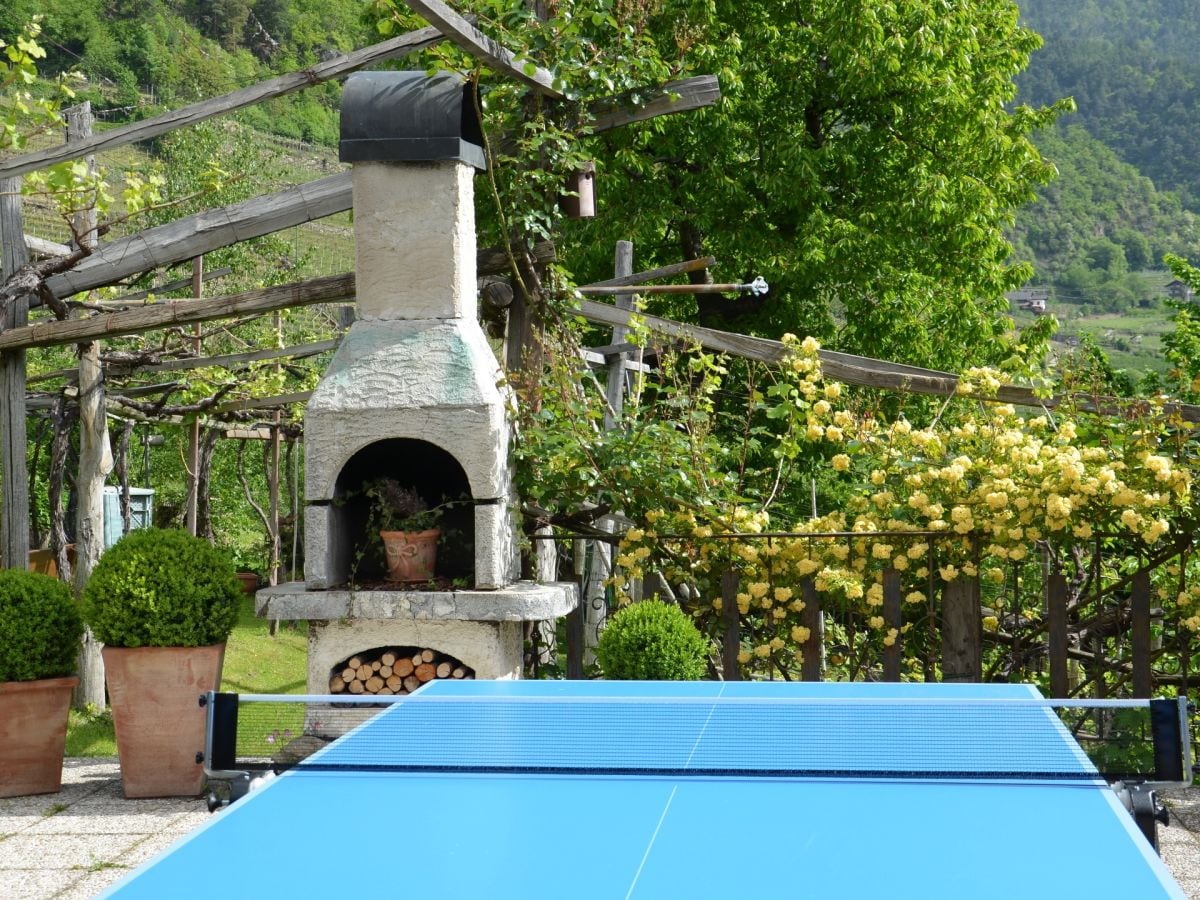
(1086, 623)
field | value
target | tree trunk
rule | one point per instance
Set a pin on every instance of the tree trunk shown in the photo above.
(95, 455)
(208, 446)
(63, 415)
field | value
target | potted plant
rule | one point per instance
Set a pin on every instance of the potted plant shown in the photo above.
(408, 527)
(40, 628)
(163, 603)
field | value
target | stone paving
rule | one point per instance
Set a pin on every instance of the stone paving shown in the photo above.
(72, 845)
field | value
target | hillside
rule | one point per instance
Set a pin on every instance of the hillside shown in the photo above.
(1134, 72)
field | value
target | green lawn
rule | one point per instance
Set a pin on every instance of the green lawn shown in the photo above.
(255, 662)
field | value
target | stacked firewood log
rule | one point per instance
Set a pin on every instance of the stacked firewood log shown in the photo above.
(394, 671)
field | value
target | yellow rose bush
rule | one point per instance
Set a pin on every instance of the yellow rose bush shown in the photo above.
(980, 491)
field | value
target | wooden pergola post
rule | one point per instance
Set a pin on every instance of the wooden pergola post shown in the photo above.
(193, 463)
(14, 477)
(95, 455)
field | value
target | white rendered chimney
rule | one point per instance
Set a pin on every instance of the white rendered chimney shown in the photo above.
(416, 366)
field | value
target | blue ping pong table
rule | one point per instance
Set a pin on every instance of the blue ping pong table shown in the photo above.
(531, 789)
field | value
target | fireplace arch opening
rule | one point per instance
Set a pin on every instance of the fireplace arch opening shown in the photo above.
(436, 476)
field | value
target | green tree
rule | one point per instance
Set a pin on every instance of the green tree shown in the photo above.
(864, 158)
(1182, 344)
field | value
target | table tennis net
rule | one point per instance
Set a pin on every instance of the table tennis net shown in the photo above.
(702, 737)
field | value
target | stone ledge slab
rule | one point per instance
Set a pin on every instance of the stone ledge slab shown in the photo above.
(524, 601)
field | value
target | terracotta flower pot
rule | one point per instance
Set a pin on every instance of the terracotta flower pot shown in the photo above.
(249, 582)
(411, 555)
(155, 697)
(33, 735)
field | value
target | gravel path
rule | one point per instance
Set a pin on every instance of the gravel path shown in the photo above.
(71, 845)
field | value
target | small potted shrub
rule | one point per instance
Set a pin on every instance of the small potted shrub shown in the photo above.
(652, 641)
(408, 527)
(40, 628)
(163, 603)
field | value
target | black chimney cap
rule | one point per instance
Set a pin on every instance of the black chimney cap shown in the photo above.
(410, 117)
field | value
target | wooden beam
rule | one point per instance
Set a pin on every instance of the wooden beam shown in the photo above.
(466, 36)
(679, 268)
(127, 300)
(228, 360)
(44, 248)
(213, 229)
(673, 97)
(255, 434)
(857, 370)
(227, 103)
(179, 312)
(619, 291)
(263, 402)
(193, 236)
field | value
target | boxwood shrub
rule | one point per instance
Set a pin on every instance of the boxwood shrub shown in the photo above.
(652, 640)
(40, 627)
(159, 587)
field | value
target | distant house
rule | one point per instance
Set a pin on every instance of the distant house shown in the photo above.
(1031, 299)
(1180, 291)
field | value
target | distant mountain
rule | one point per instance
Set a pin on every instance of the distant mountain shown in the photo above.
(1133, 67)
(1097, 208)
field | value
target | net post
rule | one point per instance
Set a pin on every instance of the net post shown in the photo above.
(220, 733)
(1168, 726)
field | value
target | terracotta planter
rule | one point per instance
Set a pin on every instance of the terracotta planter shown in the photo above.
(411, 555)
(249, 582)
(33, 735)
(155, 696)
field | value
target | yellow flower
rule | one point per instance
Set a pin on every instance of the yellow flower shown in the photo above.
(758, 589)
(914, 597)
(990, 623)
(744, 657)
(889, 639)
(634, 534)
(833, 433)
(777, 643)
(875, 621)
(762, 651)
(841, 462)
(783, 594)
(948, 573)
(800, 634)
(833, 390)
(878, 476)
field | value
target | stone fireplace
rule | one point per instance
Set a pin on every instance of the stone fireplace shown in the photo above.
(414, 392)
